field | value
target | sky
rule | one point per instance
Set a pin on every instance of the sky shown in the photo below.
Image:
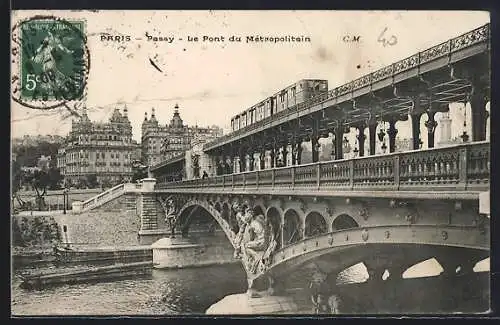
(212, 81)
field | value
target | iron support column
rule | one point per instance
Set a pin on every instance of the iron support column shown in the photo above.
(251, 159)
(262, 158)
(479, 116)
(372, 130)
(242, 158)
(430, 124)
(298, 160)
(361, 139)
(285, 153)
(392, 135)
(273, 154)
(315, 148)
(339, 133)
(415, 130)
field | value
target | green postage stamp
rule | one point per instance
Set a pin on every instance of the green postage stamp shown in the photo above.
(53, 61)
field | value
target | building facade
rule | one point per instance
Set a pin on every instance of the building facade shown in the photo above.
(105, 150)
(163, 142)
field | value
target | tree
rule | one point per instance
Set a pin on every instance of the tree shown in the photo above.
(92, 181)
(55, 178)
(139, 170)
(106, 183)
(40, 180)
(27, 155)
(17, 181)
(82, 182)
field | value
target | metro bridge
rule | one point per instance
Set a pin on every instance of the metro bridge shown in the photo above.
(388, 211)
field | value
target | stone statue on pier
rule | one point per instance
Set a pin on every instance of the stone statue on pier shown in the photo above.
(258, 241)
(239, 216)
(170, 209)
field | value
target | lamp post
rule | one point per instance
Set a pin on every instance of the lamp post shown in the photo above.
(65, 199)
(381, 137)
(384, 147)
(465, 136)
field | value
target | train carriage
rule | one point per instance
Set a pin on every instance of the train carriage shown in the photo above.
(286, 98)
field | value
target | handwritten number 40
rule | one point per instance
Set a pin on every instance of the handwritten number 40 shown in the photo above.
(385, 42)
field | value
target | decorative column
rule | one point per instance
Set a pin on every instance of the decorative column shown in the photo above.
(339, 133)
(294, 151)
(430, 124)
(332, 154)
(361, 139)
(445, 124)
(298, 159)
(228, 166)
(372, 130)
(415, 130)
(285, 153)
(272, 155)
(392, 135)
(315, 138)
(241, 159)
(314, 148)
(236, 165)
(479, 114)
(262, 158)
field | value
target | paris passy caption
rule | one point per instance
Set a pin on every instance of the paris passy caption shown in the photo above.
(210, 38)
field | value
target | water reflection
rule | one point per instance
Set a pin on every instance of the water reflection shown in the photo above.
(192, 291)
(165, 292)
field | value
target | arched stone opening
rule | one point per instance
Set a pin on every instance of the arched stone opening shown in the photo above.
(344, 221)
(291, 228)
(315, 225)
(273, 216)
(258, 210)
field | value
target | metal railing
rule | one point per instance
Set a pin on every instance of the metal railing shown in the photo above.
(478, 35)
(458, 167)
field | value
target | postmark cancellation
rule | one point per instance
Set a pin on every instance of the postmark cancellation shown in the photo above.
(50, 61)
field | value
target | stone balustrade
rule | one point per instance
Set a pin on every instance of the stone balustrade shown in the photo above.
(460, 167)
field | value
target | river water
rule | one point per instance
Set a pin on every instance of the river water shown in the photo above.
(164, 292)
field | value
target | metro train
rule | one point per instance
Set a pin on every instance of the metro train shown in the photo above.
(288, 97)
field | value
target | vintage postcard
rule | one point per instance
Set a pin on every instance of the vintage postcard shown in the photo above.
(250, 162)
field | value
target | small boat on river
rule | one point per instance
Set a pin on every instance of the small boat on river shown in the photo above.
(86, 274)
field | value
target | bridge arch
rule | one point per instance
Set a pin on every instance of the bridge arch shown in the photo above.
(344, 221)
(314, 224)
(292, 227)
(186, 214)
(274, 217)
